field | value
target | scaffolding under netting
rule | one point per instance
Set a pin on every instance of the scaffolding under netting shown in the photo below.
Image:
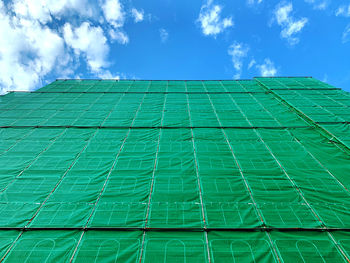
(175, 171)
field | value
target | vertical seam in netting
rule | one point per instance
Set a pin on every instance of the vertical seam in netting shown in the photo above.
(33, 160)
(318, 91)
(62, 177)
(276, 254)
(60, 180)
(28, 113)
(37, 211)
(110, 171)
(198, 179)
(311, 101)
(12, 245)
(285, 172)
(49, 102)
(325, 109)
(307, 119)
(329, 234)
(44, 150)
(236, 161)
(305, 149)
(338, 247)
(155, 164)
(279, 163)
(14, 144)
(21, 233)
(152, 180)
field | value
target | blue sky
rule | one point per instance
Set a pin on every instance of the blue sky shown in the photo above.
(41, 40)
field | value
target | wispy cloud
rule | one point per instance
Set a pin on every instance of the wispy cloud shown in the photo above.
(318, 4)
(138, 15)
(343, 10)
(346, 34)
(325, 78)
(119, 36)
(210, 19)
(254, 2)
(290, 25)
(251, 63)
(267, 69)
(238, 51)
(164, 35)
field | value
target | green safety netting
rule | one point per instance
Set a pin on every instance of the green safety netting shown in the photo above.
(176, 171)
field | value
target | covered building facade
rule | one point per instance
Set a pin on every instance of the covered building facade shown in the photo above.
(175, 171)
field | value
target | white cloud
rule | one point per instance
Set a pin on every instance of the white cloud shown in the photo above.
(164, 35)
(343, 11)
(251, 63)
(106, 74)
(238, 51)
(290, 25)
(138, 15)
(267, 69)
(211, 21)
(41, 38)
(119, 36)
(254, 2)
(325, 78)
(44, 10)
(90, 41)
(113, 12)
(115, 16)
(28, 51)
(346, 34)
(318, 4)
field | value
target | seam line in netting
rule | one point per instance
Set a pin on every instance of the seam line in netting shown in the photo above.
(155, 127)
(170, 229)
(257, 209)
(152, 185)
(140, 92)
(30, 220)
(155, 165)
(36, 158)
(299, 143)
(345, 149)
(326, 95)
(199, 182)
(137, 80)
(308, 89)
(107, 177)
(299, 191)
(324, 132)
(332, 122)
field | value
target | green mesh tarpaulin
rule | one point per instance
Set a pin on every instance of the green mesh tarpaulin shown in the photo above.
(175, 171)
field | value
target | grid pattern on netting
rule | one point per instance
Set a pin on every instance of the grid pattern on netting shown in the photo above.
(175, 171)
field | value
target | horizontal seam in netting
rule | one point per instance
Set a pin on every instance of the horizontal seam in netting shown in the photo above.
(307, 89)
(143, 92)
(138, 80)
(333, 122)
(159, 127)
(174, 229)
(344, 147)
(233, 80)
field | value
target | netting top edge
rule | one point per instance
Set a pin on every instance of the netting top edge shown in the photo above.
(252, 79)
